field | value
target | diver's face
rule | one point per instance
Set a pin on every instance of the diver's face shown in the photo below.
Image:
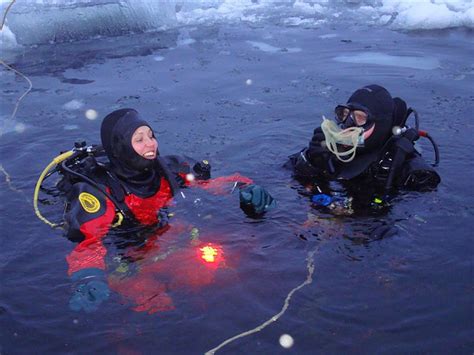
(144, 142)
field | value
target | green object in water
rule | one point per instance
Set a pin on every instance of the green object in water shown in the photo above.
(194, 233)
(122, 268)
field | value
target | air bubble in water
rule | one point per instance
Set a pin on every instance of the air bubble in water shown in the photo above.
(286, 341)
(91, 114)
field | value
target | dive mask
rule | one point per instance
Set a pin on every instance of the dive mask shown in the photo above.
(353, 115)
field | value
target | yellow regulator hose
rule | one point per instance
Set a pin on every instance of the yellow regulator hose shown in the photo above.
(60, 158)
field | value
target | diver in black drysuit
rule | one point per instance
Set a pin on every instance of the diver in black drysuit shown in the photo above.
(385, 155)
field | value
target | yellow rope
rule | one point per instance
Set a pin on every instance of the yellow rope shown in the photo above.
(13, 69)
(5, 14)
(309, 279)
(2, 169)
(24, 94)
(8, 180)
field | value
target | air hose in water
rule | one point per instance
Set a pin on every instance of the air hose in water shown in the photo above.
(403, 127)
(397, 131)
(435, 146)
(56, 161)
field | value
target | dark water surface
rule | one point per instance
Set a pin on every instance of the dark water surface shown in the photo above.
(218, 93)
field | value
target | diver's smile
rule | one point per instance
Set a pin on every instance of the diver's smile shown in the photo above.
(150, 155)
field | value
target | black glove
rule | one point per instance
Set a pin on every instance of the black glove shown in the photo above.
(318, 155)
(255, 200)
(202, 170)
(91, 290)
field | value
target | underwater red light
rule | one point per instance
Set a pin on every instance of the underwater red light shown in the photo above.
(208, 253)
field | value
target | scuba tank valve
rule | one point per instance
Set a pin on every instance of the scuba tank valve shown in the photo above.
(398, 131)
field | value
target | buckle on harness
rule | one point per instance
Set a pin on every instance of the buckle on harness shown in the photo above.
(118, 219)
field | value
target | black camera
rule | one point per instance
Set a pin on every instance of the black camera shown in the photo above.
(202, 170)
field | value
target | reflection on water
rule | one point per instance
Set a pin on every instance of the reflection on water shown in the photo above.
(424, 63)
(265, 47)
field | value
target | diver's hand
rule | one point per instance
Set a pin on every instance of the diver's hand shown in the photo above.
(90, 291)
(255, 200)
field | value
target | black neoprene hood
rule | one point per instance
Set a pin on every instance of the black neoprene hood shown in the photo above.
(375, 98)
(116, 134)
(380, 104)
